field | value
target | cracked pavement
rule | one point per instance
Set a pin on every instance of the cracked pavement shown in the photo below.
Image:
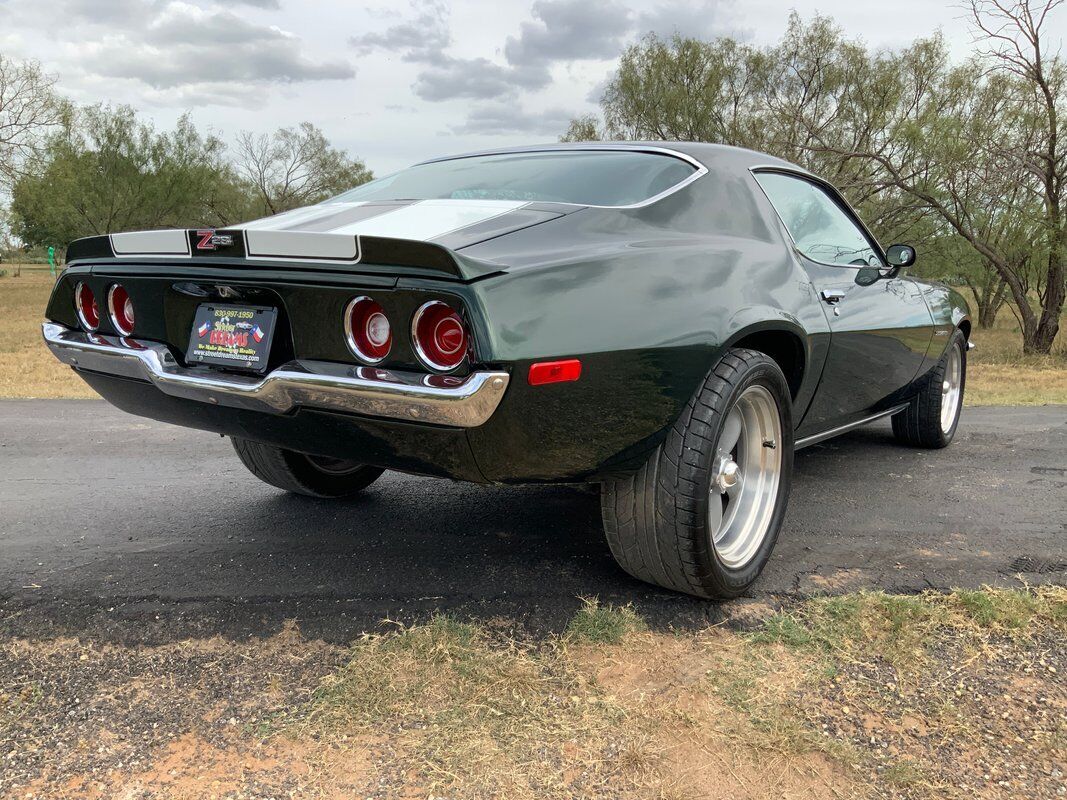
(128, 530)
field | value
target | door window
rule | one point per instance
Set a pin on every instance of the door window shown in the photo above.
(820, 228)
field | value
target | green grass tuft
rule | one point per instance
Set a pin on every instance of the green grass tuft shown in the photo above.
(1000, 608)
(597, 624)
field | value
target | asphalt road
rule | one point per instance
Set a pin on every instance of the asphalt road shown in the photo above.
(128, 530)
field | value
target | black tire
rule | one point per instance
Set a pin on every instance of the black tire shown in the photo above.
(311, 476)
(920, 425)
(656, 520)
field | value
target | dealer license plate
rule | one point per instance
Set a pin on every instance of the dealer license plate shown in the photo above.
(237, 337)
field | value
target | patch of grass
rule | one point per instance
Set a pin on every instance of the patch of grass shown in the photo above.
(896, 625)
(27, 369)
(899, 628)
(475, 712)
(813, 705)
(1011, 609)
(999, 374)
(597, 624)
(904, 773)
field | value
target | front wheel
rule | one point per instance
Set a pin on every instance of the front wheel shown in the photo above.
(703, 513)
(931, 418)
(312, 476)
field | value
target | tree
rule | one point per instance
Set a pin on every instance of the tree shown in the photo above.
(684, 89)
(978, 144)
(106, 171)
(1013, 32)
(29, 108)
(295, 167)
(583, 129)
(967, 157)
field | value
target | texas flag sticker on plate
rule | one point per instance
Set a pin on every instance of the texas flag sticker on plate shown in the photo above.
(232, 336)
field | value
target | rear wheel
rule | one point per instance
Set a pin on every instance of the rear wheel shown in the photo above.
(930, 420)
(313, 476)
(703, 514)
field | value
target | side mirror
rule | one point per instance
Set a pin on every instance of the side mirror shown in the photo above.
(900, 256)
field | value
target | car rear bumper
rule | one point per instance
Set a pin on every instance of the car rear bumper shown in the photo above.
(465, 402)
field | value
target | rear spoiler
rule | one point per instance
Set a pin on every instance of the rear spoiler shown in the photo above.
(288, 249)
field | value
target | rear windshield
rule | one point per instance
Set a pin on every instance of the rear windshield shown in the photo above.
(600, 178)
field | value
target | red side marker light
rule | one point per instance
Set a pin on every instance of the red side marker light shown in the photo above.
(555, 372)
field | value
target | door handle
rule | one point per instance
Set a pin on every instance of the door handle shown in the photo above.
(833, 296)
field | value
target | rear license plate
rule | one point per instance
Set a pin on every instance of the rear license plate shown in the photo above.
(231, 336)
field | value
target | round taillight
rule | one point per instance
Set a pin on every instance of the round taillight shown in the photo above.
(120, 309)
(85, 306)
(440, 336)
(367, 330)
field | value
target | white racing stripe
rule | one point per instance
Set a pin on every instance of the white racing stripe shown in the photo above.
(296, 215)
(424, 220)
(302, 244)
(429, 219)
(163, 243)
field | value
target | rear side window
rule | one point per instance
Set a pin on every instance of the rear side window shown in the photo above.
(820, 228)
(592, 177)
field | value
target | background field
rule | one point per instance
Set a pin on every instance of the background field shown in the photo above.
(998, 372)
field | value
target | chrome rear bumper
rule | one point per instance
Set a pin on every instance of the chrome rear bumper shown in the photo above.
(435, 399)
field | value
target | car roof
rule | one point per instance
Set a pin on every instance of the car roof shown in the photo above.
(714, 157)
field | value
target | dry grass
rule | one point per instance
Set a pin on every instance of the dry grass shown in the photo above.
(27, 369)
(862, 695)
(854, 696)
(998, 373)
(606, 710)
(871, 695)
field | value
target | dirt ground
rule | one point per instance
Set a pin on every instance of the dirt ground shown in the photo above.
(871, 695)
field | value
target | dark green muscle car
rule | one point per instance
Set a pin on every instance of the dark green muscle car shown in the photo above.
(668, 320)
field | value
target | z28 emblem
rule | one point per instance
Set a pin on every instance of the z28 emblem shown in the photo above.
(209, 240)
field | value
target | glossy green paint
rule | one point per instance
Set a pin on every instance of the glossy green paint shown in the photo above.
(648, 298)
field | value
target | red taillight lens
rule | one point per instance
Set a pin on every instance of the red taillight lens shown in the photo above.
(555, 372)
(85, 306)
(440, 336)
(367, 330)
(120, 309)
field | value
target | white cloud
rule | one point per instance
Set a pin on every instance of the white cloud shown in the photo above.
(506, 118)
(391, 81)
(176, 50)
(569, 30)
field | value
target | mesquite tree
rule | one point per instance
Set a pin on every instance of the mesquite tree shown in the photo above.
(29, 108)
(962, 158)
(295, 167)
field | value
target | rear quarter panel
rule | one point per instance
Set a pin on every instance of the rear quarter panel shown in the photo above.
(648, 308)
(950, 310)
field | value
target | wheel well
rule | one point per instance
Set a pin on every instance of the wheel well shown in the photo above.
(785, 348)
(965, 326)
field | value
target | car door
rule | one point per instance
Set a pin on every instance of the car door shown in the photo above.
(880, 324)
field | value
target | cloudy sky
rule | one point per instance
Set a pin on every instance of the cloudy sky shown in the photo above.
(395, 82)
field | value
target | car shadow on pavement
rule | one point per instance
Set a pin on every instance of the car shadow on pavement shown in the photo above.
(411, 547)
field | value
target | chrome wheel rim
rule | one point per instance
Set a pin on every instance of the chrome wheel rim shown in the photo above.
(333, 466)
(746, 471)
(951, 389)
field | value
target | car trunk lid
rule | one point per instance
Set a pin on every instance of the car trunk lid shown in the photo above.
(395, 237)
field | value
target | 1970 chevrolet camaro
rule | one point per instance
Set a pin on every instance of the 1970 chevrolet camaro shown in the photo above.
(669, 320)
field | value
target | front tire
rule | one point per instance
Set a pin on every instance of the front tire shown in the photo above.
(311, 476)
(931, 419)
(703, 514)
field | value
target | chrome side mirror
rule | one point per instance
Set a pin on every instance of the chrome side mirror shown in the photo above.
(900, 256)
